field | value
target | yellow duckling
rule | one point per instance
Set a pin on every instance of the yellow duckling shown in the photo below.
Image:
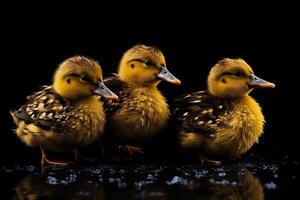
(225, 120)
(141, 111)
(68, 114)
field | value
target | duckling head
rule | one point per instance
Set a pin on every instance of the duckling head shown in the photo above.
(145, 66)
(233, 79)
(79, 77)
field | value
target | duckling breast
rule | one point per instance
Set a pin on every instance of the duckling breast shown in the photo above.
(87, 121)
(244, 126)
(142, 115)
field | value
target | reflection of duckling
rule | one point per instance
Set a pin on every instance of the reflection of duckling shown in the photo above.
(34, 187)
(237, 185)
(141, 111)
(225, 120)
(66, 115)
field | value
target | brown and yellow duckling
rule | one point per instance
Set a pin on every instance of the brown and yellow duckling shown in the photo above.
(141, 110)
(225, 120)
(68, 114)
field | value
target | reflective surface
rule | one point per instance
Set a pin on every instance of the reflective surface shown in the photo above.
(249, 178)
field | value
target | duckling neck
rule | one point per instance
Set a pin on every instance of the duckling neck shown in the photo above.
(249, 101)
(93, 106)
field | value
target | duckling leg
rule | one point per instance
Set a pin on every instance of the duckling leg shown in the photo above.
(45, 160)
(79, 157)
(132, 149)
(104, 154)
(203, 160)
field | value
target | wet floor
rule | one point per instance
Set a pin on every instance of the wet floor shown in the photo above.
(253, 177)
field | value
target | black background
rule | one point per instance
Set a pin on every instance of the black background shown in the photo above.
(193, 38)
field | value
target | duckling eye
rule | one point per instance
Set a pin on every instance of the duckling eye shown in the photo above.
(148, 63)
(237, 74)
(84, 78)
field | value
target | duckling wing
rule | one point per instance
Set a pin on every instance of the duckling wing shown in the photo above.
(46, 109)
(120, 88)
(199, 112)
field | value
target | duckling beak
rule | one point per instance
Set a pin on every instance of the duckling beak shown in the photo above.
(256, 82)
(165, 75)
(103, 91)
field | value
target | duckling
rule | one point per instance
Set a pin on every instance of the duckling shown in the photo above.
(224, 120)
(141, 110)
(68, 114)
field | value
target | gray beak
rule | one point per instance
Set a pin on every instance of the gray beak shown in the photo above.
(256, 82)
(165, 75)
(103, 91)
